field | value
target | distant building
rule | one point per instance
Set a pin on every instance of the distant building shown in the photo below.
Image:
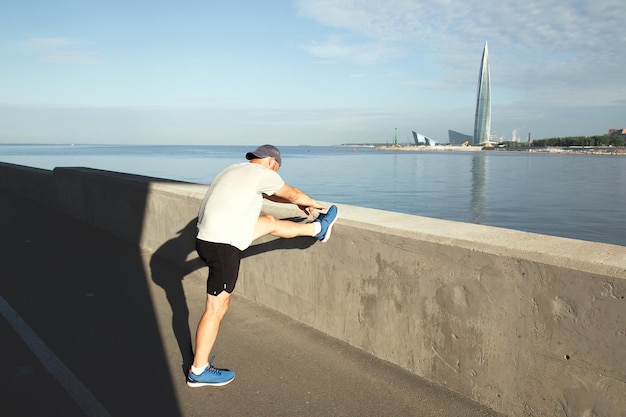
(457, 138)
(482, 119)
(617, 132)
(423, 140)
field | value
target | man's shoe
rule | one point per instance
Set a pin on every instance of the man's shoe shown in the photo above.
(211, 376)
(326, 221)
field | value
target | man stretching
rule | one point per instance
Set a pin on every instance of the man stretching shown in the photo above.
(228, 221)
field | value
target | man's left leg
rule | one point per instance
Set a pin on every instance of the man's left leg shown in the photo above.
(320, 228)
(269, 225)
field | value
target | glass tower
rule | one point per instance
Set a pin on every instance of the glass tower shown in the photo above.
(482, 121)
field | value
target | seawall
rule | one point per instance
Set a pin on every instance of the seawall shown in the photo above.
(526, 324)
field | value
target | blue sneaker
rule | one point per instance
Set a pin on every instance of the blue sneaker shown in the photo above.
(211, 376)
(326, 220)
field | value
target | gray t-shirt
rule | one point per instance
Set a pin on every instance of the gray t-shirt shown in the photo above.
(232, 205)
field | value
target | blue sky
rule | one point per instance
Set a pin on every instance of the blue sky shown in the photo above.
(317, 72)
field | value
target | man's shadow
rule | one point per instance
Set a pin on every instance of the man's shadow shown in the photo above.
(169, 265)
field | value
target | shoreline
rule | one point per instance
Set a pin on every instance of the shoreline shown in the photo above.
(548, 150)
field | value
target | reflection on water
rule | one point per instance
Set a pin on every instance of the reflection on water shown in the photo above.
(479, 175)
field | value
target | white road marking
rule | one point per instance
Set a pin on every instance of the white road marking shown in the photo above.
(79, 393)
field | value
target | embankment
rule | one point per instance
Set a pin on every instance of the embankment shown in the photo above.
(526, 324)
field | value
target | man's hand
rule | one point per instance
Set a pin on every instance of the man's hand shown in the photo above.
(310, 210)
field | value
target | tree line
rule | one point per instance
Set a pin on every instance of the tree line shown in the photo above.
(599, 140)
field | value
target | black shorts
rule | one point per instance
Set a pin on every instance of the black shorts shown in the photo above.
(223, 261)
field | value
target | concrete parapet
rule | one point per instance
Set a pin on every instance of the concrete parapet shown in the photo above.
(526, 324)
(34, 183)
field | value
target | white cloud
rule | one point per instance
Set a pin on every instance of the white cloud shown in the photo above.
(573, 49)
(60, 50)
(550, 26)
(81, 57)
(362, 53)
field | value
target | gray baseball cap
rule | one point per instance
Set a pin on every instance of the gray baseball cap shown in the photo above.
(265, 151)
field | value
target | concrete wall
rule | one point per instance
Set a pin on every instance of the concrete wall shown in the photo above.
(529, 325)
(34, 183)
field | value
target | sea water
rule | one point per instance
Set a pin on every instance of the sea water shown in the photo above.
(576, 196)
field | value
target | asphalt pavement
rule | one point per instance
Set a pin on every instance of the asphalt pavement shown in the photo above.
(93, 326)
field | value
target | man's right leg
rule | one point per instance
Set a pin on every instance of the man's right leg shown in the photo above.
(202, 372)
(223, 262)
(209, 325)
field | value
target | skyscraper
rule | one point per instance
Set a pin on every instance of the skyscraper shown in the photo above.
(482, 120)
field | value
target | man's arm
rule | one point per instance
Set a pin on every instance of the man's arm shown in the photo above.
(289, 194)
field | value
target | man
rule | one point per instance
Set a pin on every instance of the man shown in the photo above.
(228, 221)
